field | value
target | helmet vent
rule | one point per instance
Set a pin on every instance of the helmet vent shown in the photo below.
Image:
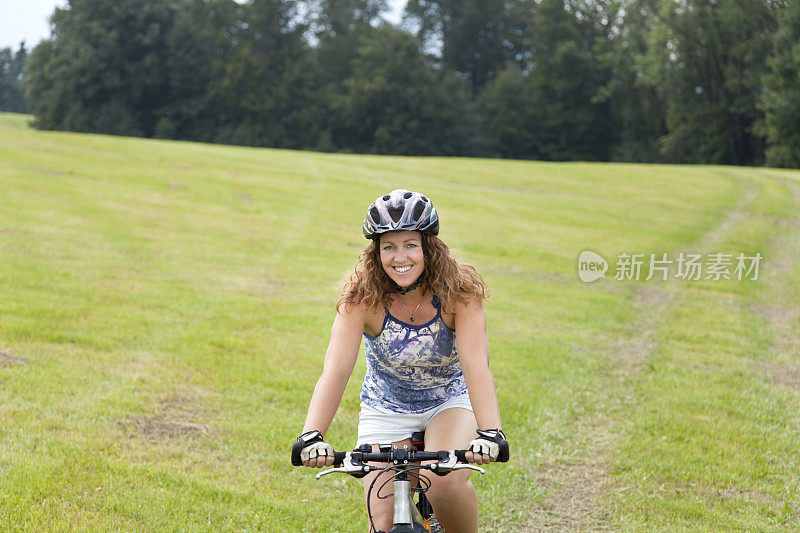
(407, 195)
(418, 210)
(396, 212)
(375, 215)
(386, 198)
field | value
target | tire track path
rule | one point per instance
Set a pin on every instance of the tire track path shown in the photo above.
(577, 484)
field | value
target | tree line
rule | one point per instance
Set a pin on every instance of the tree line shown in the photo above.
(685, 81)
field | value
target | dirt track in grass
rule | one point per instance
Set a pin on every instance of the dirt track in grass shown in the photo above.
(577, 485)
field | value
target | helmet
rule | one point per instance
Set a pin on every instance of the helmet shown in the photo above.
(401, 210)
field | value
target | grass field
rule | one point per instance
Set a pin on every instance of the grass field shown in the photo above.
(165, 306)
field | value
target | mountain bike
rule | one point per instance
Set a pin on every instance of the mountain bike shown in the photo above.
(406, 467)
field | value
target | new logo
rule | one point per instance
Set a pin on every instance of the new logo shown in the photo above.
(591, 266)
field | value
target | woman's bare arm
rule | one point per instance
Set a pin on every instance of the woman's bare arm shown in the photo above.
(340, 359)
(473, 353)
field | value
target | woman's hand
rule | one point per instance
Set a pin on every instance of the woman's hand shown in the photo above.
(316, 453)
(487, 447)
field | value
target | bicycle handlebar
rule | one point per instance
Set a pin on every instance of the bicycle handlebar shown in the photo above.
(355, 462)
(388, 457)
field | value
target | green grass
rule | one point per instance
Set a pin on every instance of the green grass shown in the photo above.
(168, 305)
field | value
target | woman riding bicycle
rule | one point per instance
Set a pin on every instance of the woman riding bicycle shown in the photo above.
(410, 301)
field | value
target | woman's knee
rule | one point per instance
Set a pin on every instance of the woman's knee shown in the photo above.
(381, 510)
(382, 519)
(450, 486)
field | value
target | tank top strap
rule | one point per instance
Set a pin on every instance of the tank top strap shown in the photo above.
(436, 303)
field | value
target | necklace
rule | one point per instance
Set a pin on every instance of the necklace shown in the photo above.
(415, 309)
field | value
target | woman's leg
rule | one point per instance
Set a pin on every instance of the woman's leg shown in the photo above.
(382, 509)
(453, 497)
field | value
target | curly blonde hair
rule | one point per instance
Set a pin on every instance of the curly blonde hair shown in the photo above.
(452, 281)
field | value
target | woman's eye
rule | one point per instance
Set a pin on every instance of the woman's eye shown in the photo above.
(412, 245)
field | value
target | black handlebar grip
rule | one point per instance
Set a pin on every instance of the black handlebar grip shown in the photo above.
(297, 448)
(503, 454)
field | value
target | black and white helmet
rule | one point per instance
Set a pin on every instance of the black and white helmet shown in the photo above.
(401, 210)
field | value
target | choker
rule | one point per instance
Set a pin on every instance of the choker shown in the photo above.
(410, 287)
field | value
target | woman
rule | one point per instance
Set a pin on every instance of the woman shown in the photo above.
(410, 301)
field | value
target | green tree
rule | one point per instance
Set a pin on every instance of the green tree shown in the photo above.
(340, 17)
(265, 86)
(781, 97)
(396, 102)
(707, 57)
(341, 26)
(475, 37)
(12, 87)
(548, 109)
(200, 43)
(104, 69)
(636, 108)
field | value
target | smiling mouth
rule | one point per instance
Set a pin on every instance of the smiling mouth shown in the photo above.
(402, 270)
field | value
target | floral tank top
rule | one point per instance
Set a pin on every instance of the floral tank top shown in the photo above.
(410, 368)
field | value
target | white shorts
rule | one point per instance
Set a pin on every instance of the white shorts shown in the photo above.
(386, 427)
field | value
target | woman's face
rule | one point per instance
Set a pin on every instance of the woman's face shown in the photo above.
(401, 256)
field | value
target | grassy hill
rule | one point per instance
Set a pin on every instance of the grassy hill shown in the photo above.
(165, 307)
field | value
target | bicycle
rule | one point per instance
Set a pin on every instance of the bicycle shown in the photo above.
(405, 463)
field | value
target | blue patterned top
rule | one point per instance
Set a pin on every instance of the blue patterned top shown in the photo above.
(410, 368)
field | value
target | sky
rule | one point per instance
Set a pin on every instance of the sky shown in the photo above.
(27, 20)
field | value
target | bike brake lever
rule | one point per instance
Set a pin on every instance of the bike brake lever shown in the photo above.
(443, 467)
(331, 471)
(470, 467)
(349, 466)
